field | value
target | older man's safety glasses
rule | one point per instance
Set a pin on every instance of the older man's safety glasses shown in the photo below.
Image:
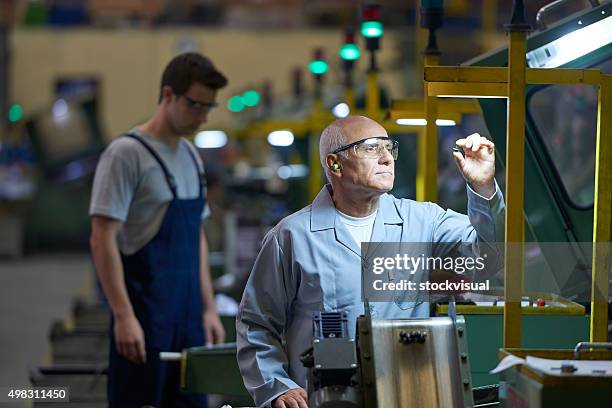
(372, 147)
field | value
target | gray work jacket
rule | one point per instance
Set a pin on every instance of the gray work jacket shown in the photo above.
(309, 262)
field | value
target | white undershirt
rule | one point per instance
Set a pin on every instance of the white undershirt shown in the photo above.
(359, 227)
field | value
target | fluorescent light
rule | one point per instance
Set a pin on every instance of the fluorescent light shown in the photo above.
(292, 171)
(473, 96)
(572, 46)
(341, 110)
(60, 111)
(281, 138)
(423, 122)
(210, 139)
(411, 122)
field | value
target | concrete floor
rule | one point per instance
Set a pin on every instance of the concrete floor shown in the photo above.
(35, 291)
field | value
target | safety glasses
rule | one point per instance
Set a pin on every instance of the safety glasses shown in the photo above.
(372, 147)
(199, 106)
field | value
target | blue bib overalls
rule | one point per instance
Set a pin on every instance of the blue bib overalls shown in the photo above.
(163, 284)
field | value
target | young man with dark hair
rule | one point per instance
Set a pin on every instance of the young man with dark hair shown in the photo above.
(149, 249)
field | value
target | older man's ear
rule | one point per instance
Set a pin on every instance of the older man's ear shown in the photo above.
(334, 164)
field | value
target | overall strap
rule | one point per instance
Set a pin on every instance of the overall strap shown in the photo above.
(169, 177)
(201, 175)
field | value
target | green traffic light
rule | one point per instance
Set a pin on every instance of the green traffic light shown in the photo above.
(372, 29)
(318, 67)
(235, 104)
(350, 52)
(15, 113)
(250, 98)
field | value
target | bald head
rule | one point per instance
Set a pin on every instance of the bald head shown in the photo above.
(345, 131)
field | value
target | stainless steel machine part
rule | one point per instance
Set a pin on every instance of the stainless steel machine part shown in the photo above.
(431, 372)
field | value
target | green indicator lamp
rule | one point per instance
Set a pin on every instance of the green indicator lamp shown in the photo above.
(372, 29)
(235, 104)
(350, 52)
(318, 67)
(15, 113)
(250, 98)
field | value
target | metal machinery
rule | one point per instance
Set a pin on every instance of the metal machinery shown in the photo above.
(424, 362)
(415, 363)
(412, 363)
(540, 198)
(542, 205)
(391, 363)
(333, 375)
(558, 378)
(552, 214)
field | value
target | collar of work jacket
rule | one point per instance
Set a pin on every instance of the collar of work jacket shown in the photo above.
(324, 216)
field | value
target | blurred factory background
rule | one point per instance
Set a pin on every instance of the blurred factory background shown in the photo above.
(75, 74)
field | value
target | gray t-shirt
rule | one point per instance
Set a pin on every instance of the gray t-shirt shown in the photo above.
(130, 186)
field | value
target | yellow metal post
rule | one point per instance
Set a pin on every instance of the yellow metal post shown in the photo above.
(420, 39)
(373, 96)
(315, 180)
(427, 162)
(421, 153)
(489, 20)
(349, 98)
(602, 214)
(515, 181)
(488, 81)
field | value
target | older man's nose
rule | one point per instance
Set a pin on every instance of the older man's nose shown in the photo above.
(386, 157)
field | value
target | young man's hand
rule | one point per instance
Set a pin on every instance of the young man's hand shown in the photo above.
(129, 339)
(215, 333)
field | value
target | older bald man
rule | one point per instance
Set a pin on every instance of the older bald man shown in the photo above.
(311, 261)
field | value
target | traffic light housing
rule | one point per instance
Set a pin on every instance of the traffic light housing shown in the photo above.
(432, 12)
(349, 50)
(372, 28)
(318, 66)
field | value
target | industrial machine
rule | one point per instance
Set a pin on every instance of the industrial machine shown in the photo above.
(333, 375)
(415, 362)
(391, 363)
(430, 362)
(556, 378)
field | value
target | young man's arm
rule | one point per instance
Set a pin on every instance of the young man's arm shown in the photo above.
(129, 337)
(215, 333)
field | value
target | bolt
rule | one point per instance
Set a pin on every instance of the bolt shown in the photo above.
(568, 368)
(353, 365)
(464, 356)
(366, 356)
(316, 341)
(460, 331)
(318, 366)
(466, 382)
